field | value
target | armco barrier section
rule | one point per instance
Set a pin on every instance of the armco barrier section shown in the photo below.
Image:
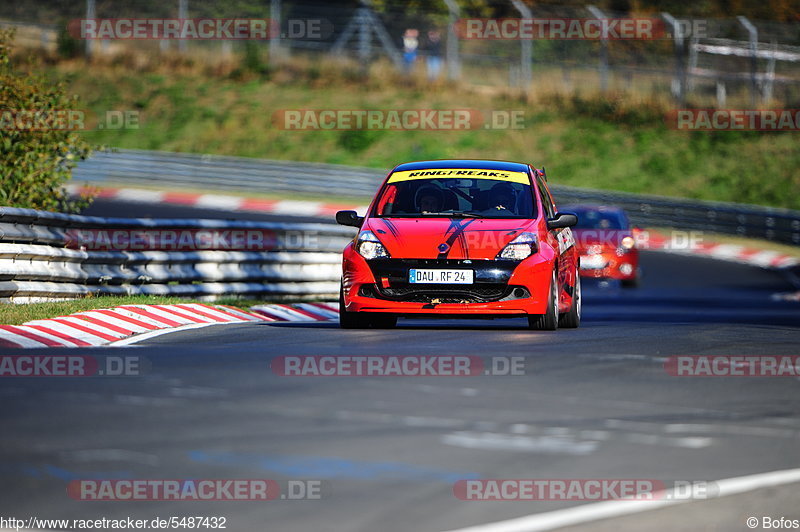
(212, 172)
(51, 255)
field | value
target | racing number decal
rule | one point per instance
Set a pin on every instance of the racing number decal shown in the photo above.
(565, 240)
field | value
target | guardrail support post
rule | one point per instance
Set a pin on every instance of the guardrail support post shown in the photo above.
(453, 63)
(526, 49)
(90, 14)
(183, 8)
(679, 81)
(753, 37)
(603, 49)
(274, 31)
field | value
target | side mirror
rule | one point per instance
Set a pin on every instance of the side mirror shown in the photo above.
(562, 219)
(349, 218)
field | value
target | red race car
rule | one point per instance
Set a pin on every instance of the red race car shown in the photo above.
(461, 238)
(607, 244)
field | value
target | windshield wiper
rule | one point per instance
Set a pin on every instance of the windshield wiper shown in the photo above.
(453, 214)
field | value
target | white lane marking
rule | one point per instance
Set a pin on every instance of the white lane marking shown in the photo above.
(109, 455)
(688, 442)
(587, 513)
(510, 442)
(737, 430)
(410, 421)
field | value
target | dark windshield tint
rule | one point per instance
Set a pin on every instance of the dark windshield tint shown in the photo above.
(589, 219)
(444, 196)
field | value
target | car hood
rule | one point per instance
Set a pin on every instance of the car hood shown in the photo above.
(446, 238)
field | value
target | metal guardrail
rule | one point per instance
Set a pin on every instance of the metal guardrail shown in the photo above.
(162, 169)
(146, 168)
(51, 255)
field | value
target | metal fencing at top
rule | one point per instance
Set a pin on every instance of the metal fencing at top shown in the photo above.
(708, 59)
(163, 169)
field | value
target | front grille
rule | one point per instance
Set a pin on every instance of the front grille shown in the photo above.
(445, 293)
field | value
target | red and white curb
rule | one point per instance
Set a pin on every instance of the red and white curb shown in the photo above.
(128, 324)
(298, 312)
(216, 201)
(728, 252)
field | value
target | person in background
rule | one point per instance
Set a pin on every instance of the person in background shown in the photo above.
(434, 54)
(410, 45)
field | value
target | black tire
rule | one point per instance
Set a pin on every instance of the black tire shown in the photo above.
(630, 283)
(548, 321)
(380, 321)
(572, 318)
(351, 320)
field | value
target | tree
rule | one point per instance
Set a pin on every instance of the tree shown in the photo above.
(39, 142)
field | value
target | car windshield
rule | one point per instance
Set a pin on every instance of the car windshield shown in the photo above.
(600, 220)
(457, 193)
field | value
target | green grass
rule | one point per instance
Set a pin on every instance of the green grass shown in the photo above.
(616, 142)
(12, 314)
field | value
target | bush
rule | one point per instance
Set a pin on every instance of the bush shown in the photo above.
(67, 45)
(35, 158)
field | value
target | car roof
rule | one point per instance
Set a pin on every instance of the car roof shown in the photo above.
(481, 164)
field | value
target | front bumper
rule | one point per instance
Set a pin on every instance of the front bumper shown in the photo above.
(610, 265)
(499, 287)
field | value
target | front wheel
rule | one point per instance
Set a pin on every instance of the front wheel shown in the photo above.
(572, 318)
(549, 320)
(362, 320)
(350, 320)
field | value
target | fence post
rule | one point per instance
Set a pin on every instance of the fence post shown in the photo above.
(770, 73)
(526, 49)
(183, 8)
(680, 66)
(453, 64)
(753, 33)
(274, 30)
(90, 14)
(603, 49)
(721, 95)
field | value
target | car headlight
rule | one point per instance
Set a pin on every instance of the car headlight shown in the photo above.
(625, 245)
(369, 247)
(522, 247)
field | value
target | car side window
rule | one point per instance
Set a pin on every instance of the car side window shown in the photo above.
(547, 203)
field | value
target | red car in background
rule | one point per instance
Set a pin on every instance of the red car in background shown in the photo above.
(606, 243)
(461, 238)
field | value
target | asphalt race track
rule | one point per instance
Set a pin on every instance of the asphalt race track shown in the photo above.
(595, 402)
